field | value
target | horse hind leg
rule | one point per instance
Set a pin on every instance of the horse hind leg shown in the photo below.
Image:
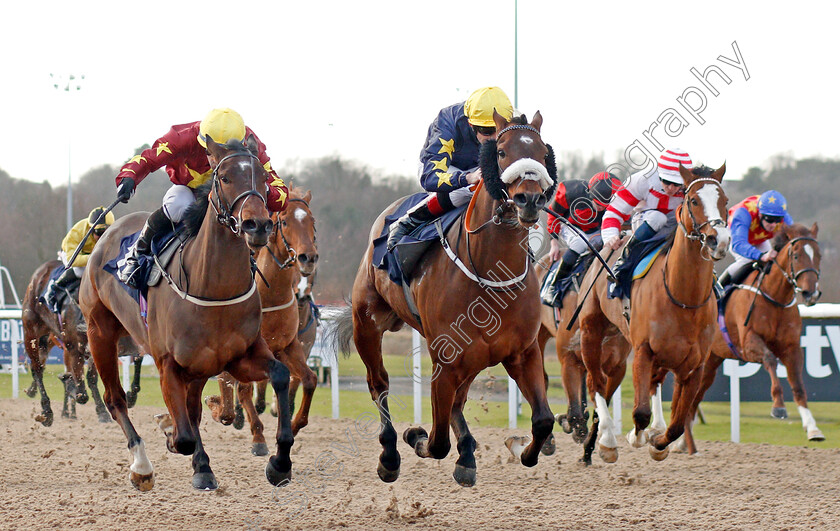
(262, 386)
(797, 386)
(465, 466)
(68, 410)
(102, 341)
(41, 347)
(131, 396)
(222, 406)
(295, 359)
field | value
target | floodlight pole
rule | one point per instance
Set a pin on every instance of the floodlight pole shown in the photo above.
(68, 83)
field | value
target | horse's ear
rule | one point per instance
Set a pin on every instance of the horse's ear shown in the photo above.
(308, 196)
(686, 174)
(536, 123)
(499, 120)
(212, 147)
(814, 229)
(251, 144)
(718, 174)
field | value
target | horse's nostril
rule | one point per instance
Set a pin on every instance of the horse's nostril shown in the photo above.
(249, 226)
(303, 257)
(520, 200)
(541, 200)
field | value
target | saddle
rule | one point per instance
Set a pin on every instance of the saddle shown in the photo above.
(164, 247)
(572, 281)
(638, 264)
(59, 296)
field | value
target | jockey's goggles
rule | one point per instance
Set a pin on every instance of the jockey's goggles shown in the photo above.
(669, 183)
(99, 231)
(486, 131)
(772, 219)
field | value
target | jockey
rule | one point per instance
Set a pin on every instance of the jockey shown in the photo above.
(753, 223)
(183, 150)
(651, 198)
(449, 160)
(69, 244)
(583, 204)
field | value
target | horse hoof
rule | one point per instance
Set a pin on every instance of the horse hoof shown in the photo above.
(45, 418)
(276, 477)
(607, 455)
(273, 412)
(260, 407)
(679, 446)
(142, 482)
(30, 392)
(412, 435)
(130, 399)
(204, 481)
(238, 420)
(658, 455)
(779, 413)
(104, 418)
(549, 447)
(259, 449)
(815, 435)
(82, 398)
(563, 422)
(516, 445)
(388, 476)
(464, 476)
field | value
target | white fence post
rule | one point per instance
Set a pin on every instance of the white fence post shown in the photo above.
(14, 350)
(616, 400)
(736, 371)
(334, 387)
(126, 372)
(513, 403)
(416, 371)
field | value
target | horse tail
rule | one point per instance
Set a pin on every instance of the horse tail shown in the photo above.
(341, 334)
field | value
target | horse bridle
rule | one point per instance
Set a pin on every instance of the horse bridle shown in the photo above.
(278, 228)
(794, 275)
(695, 233)
(224, 210)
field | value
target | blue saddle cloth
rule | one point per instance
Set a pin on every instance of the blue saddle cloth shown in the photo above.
(57, 305)
(117, 263)
(400, 262)
(628, 270)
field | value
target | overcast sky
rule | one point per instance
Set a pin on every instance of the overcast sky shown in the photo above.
(364, 79)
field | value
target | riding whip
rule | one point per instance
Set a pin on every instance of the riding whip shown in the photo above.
(81, 245)
(580, 233)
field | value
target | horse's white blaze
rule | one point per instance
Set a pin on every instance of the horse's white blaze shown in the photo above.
(809, 251)
(300, 214)
(808, 421)
(526, 140)
(605, 422)
(709, 194)
(244, 164)
(141, 464)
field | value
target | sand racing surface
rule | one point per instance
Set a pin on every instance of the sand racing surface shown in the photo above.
(74, 475)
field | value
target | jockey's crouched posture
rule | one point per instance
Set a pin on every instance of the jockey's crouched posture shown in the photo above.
(583, 205)
(183, 150)
(753, 223)
(449, 160)
(651, 198)
(69, 244)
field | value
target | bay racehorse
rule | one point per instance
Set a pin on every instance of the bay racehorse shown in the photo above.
(554, 323)
(672, 320)
(41, 330)
(477, 300)
(290, 252)
(204, 320)
(774, 328)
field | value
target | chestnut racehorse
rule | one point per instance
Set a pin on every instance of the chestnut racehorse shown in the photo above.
(672, 320)
(774, 328)
(567, 345)
(204, 320)
(477, 300)
(291, 251)
(41, 330)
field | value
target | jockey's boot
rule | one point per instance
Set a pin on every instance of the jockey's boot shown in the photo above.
(641, 234)
(412, 219)
(550, 294)
(721, 282)
(56, 287)
(130, 272)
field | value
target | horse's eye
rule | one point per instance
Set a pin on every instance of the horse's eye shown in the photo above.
(223, 179)
(501, 153)
(284, 222)
(693, 202)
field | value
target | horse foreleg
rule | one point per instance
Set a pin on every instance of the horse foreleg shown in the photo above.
(101, 410)
(574, 421)
(36, 348)
(69, 393)
(103, 347)
(437, 445)
(221, 407)
(245, 392)
(771, 363)
(793, 364)
(203, 477)
(134, 390)
(685, 388)
(642, 376)
(258, 364)
(295, 358)
(77, 370)
(465, 466)
(527, 370)
(262, 386)
(710, 368)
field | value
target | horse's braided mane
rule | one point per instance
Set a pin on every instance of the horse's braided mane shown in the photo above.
(490, 167)
(194, 214)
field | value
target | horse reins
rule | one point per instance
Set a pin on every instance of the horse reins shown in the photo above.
(224, 209)
(278, 228)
